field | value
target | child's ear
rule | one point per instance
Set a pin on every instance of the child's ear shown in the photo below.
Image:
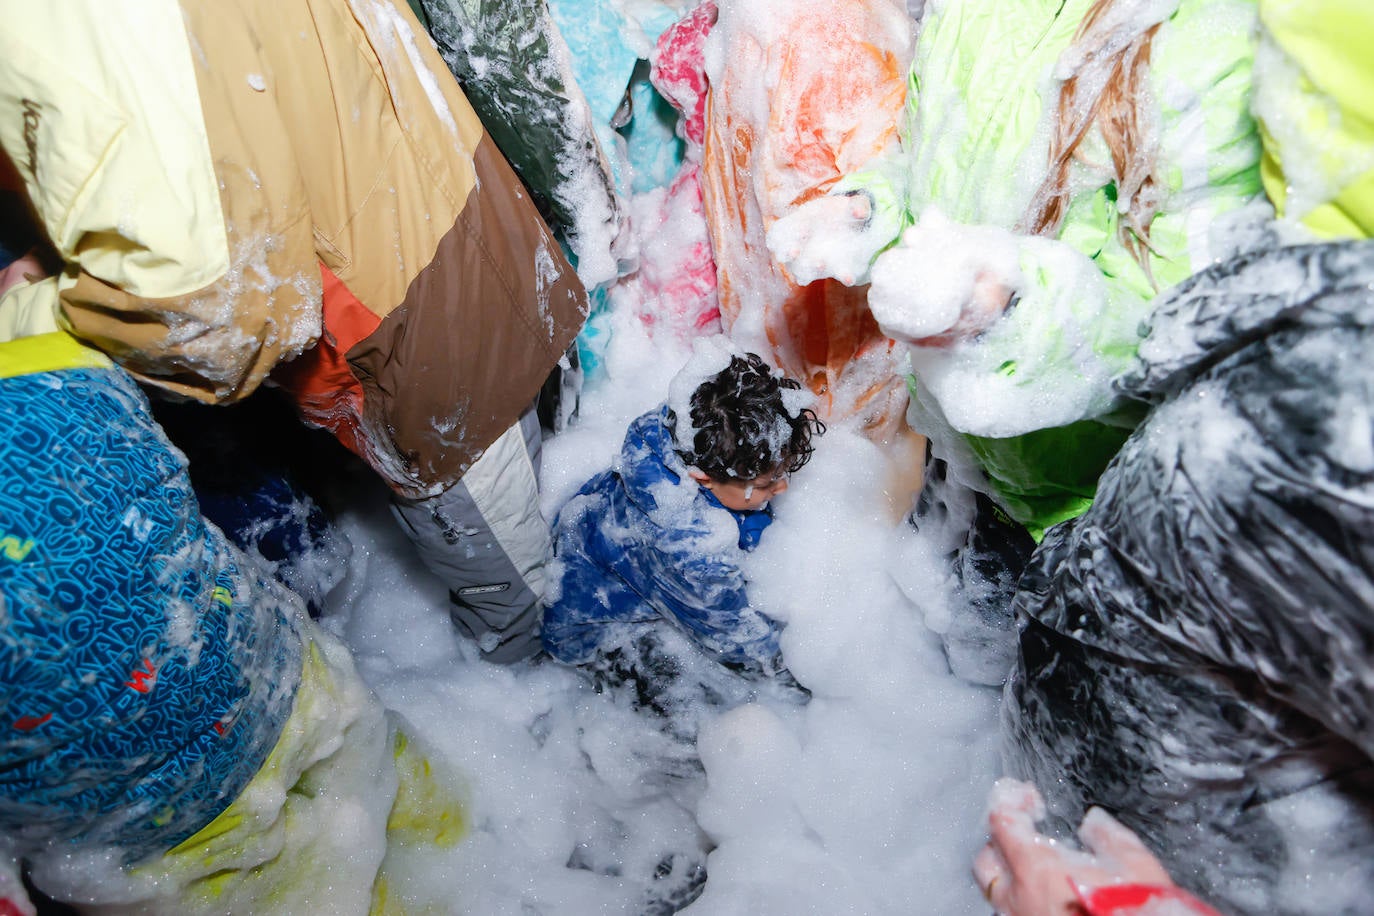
(699, 476)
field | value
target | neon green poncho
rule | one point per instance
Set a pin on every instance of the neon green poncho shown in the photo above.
(1032, 395)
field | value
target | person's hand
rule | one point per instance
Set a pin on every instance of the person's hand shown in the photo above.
(23, 270)
(827, 237)
(906, 471)
(1025, 873)
(989, 300)
(943, 282)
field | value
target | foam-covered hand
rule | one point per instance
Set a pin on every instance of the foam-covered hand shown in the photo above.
(943, 281)
(1024, 873)
(831, 236)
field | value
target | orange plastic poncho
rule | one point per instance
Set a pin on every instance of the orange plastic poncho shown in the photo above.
(801, 94)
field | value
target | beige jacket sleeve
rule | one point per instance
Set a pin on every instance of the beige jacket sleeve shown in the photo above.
(193, 267)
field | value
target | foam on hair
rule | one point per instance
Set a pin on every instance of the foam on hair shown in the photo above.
(743, 424)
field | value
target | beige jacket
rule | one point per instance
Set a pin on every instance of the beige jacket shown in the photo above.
(293, 187)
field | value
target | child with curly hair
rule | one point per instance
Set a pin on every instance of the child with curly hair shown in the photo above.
(649, 552)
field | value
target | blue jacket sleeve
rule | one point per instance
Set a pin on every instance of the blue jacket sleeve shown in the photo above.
(704, 592)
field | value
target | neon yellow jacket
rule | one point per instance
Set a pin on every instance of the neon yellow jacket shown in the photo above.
(1314, 100)
(976, 144)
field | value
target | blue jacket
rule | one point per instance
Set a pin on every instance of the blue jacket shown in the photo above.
(642, 544)
(147, 673)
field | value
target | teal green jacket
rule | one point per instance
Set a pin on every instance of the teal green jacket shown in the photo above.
(515, 68)
(975, 147)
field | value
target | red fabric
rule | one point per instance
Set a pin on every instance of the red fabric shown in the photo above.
(1125, 899)
(8, 908)
(677, 281)
(678, 72)
(677, 274)
(320, 380)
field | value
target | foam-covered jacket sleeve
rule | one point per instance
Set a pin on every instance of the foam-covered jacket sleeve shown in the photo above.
(195, 270)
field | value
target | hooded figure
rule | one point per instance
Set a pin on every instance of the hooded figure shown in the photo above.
(1195, 650)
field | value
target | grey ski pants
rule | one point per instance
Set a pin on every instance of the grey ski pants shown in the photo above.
(486, 539)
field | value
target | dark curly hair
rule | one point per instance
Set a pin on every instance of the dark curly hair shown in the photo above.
(743, 428)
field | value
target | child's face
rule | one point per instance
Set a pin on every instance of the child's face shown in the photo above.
(745, 495)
